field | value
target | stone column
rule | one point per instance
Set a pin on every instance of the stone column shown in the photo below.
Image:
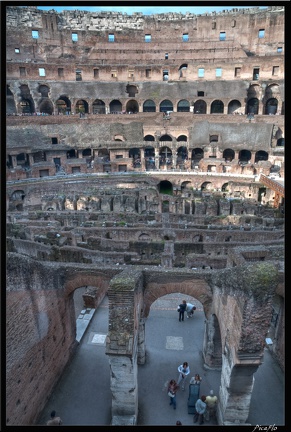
(235, 393)
(125, 305)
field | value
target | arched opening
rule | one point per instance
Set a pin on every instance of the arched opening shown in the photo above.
(149, 138)
(253, 106)
(132, 107)
(244, 156)
(149, 106)
(182, 138)
(63, 105)
(26, 106)
(165, 157)
(82, 107)
(217, 107)
(271, 106)
(166, 138)
(46, 107)
(182, 70)
(200, 107)
(166, 105)
(115, 107)
(234, 107)
(98, 107)
(183, 106)
(207, 187)
(261, 156)
(228, 155)
(165, 187)
(131, 90)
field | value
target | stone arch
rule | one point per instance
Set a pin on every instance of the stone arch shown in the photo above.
(149, 106)
(217, 107)
(115, 106)
(234, 107)
(46, 106)
(82, 106)
(98, 106)
(63, 105)
(166, 105)
(200, 107)
(78, 278)
(271, 106)
(132, 107)
(183, 106)
(197, 288)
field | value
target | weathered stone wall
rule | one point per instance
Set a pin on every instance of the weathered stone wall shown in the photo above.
(40, 336)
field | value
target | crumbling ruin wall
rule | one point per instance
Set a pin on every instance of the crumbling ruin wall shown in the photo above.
(40, 335)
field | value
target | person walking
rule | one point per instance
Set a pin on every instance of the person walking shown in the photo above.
(54, 421)
(182, 309)
(200, 408)
(172, 390)
(211, 403)
(190, 308)
(184, 371)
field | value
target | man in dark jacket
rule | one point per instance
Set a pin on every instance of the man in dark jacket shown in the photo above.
(182, 309)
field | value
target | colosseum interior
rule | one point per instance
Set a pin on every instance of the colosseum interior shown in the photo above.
(143, 151)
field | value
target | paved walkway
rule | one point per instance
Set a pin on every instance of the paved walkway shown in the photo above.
(83, 396)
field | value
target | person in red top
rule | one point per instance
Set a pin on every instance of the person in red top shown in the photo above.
(172, 390)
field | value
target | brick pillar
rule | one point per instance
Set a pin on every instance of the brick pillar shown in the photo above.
(124, 344)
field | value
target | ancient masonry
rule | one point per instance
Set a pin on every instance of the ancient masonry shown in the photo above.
(144, 153)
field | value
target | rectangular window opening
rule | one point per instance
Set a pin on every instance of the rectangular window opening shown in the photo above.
(279, 49)
(218, 72)
(54, 140)
(78, 75)
(75, 37)
(111, 37)
(17, 51)
(200, 72)
(237, 72)
(34, 34)
(147, 38)
(256, 74)
(60, 72)
(261, 33)
(213, 138)
(166, 56)
(22, 71)
(96, 73)
(41, 72)
(148, 73)
(185, 37)
(275, 70)
(200, 93)
(222, 36)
